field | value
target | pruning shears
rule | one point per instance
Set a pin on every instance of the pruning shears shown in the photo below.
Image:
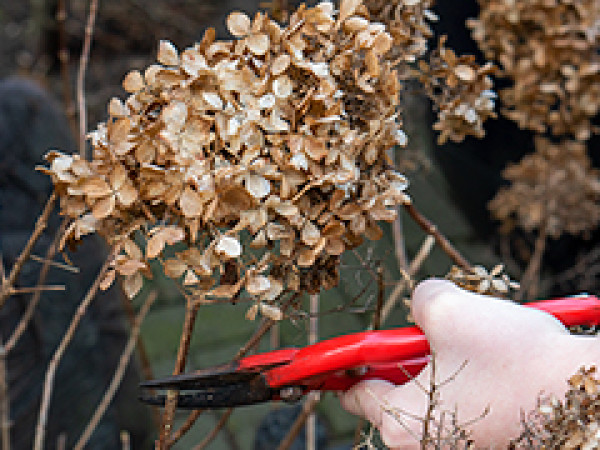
(335, 364)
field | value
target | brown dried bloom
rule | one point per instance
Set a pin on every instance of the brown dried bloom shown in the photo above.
(550, 51)
(408, 22)
(555, 187)
(478, 279)
(264, 155)
(573, 423)
(461, 91)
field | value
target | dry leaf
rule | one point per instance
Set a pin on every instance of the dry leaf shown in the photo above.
(132, 83)
(191, 203)
(229, 246)
(258, 43)
(132, 285)
(168, 54)
(238, 24)
(271, 311)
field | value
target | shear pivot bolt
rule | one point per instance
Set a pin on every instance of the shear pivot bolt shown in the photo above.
(291, 393)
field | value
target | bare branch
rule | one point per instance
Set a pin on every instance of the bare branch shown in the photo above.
(33, 289)
(189, 423)
(529, 281)
(215, 431)
(6, 290)
(35, 299)
(441, 240)
(413, 268)
(83, 62)
(56, 264)
(184, 347)
(296, 427)
(40, 430)
(118, 374)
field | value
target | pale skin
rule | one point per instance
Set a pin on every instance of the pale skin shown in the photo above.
(512, 354)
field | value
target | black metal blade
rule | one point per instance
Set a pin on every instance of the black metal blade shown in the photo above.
(203, 379)
(225, 396)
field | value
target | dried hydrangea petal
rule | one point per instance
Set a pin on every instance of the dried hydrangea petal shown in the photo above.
(238, 24)
(229, 246)
(258, 43)
(347, 8)
(191, 203)
(168, 54)
(133, 82)
(283, 86)
(310, 234)
(272, 312)
(258, 284)
(132, 285)
(280, 64)
(257, 186)
(213, 99)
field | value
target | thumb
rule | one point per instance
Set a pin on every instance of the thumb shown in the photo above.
(447, 313)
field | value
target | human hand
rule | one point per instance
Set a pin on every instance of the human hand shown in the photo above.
(509, 355)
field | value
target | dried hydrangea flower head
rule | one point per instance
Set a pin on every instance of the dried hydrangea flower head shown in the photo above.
(264, 155)
(555, 188)
(478, 279)
(571, 423)
(461, 91)
(550, 51)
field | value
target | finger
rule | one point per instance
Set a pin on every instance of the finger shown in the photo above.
(365, 399)
(395, 410)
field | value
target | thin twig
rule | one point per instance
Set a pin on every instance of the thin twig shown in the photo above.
(35, 299)
(441, 240)
(399, 242)
(61, 441)
(2, 271)
(56, 264)
(396, 413)
(529, 281)
(413, 268)
(33, 289)
(125, 440)
(189, 423)
(83, 62)
(6, 290)
(182, 353)
(313, 337)
(215, 431)
(118, 374)
(375, 325)
(296, 427)
(432, 402)
(141, 351)
(376, 321)
(4, 401)
(263, 329)
(40, 430)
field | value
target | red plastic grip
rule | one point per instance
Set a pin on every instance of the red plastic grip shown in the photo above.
(327, 364)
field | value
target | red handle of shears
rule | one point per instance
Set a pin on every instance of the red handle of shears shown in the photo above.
(339, 363)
